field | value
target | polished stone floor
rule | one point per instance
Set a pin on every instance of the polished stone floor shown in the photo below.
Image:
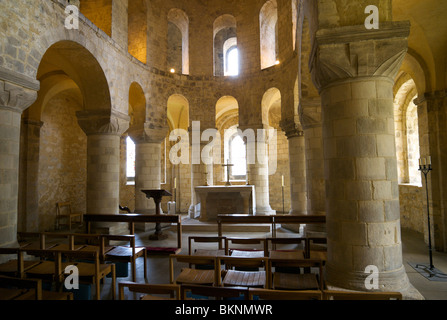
(414, 251)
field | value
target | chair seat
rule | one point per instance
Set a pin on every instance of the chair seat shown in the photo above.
(318, 255)
(154, 298)
(11, 294)
(196, 276)
(12, 267)
(247, 253)
(290, 281)
(44, 268)
(244, 278)
(124, 252)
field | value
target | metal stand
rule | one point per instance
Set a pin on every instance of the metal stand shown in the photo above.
(425, 169)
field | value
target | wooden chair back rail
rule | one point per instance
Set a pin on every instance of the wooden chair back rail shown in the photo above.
(32, 284)
(204, 239)
(273, 220)
(254, 241)
(270, 294)
(230, 261)
(69, 215)
(216, 292)
(171, 289)
(131, 219)
(348, 295)
(272, 242)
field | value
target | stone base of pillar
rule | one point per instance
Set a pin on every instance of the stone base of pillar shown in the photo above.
(110, 228)
(264, 211)
(389, 281)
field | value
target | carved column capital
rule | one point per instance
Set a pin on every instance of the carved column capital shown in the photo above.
(146, 134)
(352, 52)
(16, 97)
(291, 128)
(103, 122)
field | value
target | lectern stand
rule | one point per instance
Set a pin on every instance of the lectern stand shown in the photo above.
(157, 195)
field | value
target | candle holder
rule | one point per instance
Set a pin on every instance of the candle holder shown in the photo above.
(425, 167)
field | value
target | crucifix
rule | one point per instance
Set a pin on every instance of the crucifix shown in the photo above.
(228, 172)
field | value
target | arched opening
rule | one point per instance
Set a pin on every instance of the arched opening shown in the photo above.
(227, 122)
(53, 156)
(178, 176)
(226, 58)
(137, 30)
(178, 41)
(268, 20)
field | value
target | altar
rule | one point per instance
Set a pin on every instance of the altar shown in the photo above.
(216, 200)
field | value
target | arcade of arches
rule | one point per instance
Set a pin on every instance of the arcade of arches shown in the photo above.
(354, 109)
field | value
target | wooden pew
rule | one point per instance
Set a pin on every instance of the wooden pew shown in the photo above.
(241, 219)
(132, 219)
(273, 220)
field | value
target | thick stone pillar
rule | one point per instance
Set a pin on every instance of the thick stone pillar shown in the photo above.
(147, 168)
(28, 207)
(297, 163)
(310, 118)
(15, 96)
(354, 71)
(103, 130)
(258, 174)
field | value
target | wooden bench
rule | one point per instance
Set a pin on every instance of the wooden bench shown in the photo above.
(132, 219)
(273, 220)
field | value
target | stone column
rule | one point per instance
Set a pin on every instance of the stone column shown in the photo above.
(201, 173)
(15, 97)
(28, 213)
(147, 168)
(310, 118)
(354, 71)
(258, 175)
(103, 130)
(297, 163)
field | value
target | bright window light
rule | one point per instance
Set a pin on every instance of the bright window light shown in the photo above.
(232, 62)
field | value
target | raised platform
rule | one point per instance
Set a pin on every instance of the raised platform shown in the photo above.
(194, 225)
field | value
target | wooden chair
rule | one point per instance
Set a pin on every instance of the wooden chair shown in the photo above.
(193, 275)
(316, 248)
(64, 211)
(296, 281)
(89, 273)
(239, 278)
(125, 253)
(206, 252)
(213, 293)
(351, 295)
(288, 248)
(17, 265)
(270, 294)
(246, 247)
(151, 291)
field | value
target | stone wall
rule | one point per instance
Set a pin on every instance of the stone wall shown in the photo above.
(413, 210)
(63, 158)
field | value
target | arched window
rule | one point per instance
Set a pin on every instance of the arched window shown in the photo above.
(413, 144)
(235, 154)
(232, 62)
(130, 159)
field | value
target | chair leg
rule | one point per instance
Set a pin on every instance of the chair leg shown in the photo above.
(113, 282)
(145, 264)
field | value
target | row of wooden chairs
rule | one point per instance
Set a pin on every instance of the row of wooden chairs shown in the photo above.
(197, 292)
(309, 247)
(28, 289)
(264, 272)
(49, 266)
(128, 253)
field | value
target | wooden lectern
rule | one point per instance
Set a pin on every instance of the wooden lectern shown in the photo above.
(157, 195)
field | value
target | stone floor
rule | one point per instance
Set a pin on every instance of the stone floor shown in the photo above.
(414, 251)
